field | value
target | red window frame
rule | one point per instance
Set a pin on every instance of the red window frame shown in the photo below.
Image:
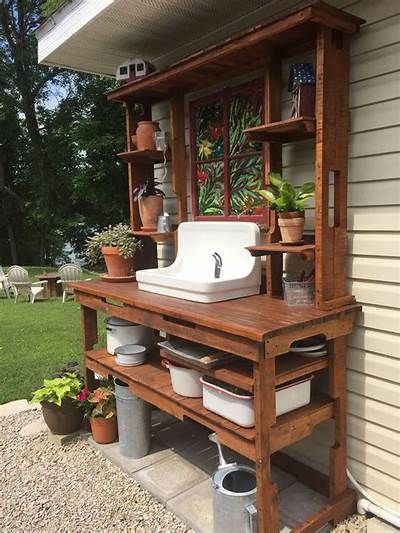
(224, 96)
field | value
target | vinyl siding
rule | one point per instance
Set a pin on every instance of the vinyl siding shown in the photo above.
(374, 250)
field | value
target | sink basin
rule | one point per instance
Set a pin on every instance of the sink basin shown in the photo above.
(191, 276)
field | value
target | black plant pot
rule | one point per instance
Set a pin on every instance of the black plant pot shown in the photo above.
(63, 419)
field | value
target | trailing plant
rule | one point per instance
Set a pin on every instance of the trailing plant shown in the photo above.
(56, 389)
(147, 188)
(118, 236)
(283, 197)
(100, 403)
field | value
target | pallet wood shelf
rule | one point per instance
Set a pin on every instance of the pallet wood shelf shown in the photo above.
(276, 248)
(284, 131)
(144, 156)
(156, 236)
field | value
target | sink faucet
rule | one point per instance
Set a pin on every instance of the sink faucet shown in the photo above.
(218, 264)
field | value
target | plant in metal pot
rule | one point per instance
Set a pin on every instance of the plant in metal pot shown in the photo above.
(100, 407)
(61, 408)
(150, 199)
(117, 246)
(289, 202)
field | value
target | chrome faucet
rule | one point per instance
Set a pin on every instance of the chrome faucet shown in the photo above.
(218, 264)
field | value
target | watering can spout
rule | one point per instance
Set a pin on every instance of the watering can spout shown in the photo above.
(222, 462)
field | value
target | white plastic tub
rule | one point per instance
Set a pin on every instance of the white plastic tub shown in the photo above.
(239, 407)
(130, 355)
(184, 381)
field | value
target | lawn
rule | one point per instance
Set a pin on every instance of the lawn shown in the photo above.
(36, 340)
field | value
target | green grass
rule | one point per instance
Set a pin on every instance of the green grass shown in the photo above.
(36, 340)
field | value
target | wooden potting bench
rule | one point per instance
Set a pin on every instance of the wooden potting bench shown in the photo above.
(258, 329)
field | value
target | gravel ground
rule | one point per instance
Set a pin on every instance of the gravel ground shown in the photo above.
(354, 524)
(70, 489)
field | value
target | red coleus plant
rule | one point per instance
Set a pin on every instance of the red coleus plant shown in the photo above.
(98, 404)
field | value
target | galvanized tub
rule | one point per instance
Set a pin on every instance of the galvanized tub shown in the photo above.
(134, 422)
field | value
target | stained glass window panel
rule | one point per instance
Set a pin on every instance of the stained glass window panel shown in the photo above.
(209, 131)
(246, 177)
(210, 188)
(245, 111)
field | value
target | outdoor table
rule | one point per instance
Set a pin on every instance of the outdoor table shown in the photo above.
(53, 289)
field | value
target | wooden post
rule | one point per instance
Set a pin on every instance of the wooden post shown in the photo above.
(89, 329)
(273, 163)
(264, 405)
(332, 123)
(177, 119)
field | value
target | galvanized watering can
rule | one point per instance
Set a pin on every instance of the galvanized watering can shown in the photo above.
(234, 497)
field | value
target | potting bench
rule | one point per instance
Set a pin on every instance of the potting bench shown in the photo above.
(258, 329)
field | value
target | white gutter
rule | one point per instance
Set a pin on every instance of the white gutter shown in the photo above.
(367, 505)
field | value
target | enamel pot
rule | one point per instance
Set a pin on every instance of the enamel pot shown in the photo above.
(184, 381)
(120, 332)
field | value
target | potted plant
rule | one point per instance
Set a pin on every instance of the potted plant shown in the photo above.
(290, 203)
(61, 408)
(100, 407)
(118, 247)
(150, 200)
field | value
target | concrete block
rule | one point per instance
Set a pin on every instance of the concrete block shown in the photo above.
(111, 451)
(195, 507)
(166, 479)
(33, 428)
(17, 406)
(62, 440)
(298, 502)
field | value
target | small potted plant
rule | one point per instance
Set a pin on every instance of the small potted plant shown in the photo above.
(100, 407)
(150, 199)
(118, 247)
(290, 203)
(61, 408)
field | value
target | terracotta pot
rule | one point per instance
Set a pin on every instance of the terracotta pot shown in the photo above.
(64, 419)
(134, 141)
(117, 266)
(145, 135)
(104, 430)
(291, 226)
(150, 208)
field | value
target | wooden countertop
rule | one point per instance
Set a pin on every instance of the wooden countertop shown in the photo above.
(254, 317)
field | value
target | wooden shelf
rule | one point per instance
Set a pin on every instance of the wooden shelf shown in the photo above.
(293, 366)
(284, 131)
(144, 156)
(152, 382)
(276, 248)
(157, 236)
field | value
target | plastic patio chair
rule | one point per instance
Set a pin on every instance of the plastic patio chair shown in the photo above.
(69, 273)
(20, 284)
(4, 283)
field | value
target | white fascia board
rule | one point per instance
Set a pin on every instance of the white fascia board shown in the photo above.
(65, 23)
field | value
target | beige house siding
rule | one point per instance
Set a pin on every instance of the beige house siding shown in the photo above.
(374, 249)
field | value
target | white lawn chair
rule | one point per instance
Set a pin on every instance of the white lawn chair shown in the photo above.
(20, 284)
(68, 274)
(4, 283)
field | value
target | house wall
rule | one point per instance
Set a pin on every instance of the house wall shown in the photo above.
(374, 250)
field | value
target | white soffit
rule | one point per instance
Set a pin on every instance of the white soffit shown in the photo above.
(97, 35)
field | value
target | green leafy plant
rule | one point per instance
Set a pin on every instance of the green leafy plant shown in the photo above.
(283, 197)
(119, 236)
(56, 389)
(100, 403)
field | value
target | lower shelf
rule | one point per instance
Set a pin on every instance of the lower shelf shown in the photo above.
(152, 383)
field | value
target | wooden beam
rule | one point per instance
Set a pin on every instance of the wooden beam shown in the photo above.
(177, 119)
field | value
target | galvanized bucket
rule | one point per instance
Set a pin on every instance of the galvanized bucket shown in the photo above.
(134, 422)
(234, 498)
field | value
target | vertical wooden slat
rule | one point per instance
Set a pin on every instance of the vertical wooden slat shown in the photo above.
(332, 122)
(89, 329)
(273, 163)
(177, 118)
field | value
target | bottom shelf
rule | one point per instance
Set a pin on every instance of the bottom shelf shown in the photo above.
(152, 383)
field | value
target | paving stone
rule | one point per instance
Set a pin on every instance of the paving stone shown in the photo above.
(195, 507)
(157, 453)
(298, 502)
(17, 406)
(33, 428)
(376, 525)
(166, 479)
(62, 440)
(179, 436)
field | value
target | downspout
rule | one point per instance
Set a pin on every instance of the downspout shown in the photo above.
(367, 505)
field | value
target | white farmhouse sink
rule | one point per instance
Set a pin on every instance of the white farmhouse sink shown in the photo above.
(192, 275)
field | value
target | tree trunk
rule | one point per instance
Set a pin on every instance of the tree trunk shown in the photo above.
(7, 222)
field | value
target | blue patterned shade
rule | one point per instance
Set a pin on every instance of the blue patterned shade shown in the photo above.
(301, 74)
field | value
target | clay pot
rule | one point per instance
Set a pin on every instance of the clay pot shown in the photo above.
(117, 266)
(134, 141)
(291, 226)
(145, 135)
(104, 430)
(150, 208)
(64, 419)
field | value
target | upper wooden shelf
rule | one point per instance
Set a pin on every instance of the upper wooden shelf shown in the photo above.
(277, 248)
(157, 236)
(142, 156)
(245, 53)
(284, 131)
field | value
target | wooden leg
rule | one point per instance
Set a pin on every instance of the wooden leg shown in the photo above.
(264, 404)
(89, 327)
